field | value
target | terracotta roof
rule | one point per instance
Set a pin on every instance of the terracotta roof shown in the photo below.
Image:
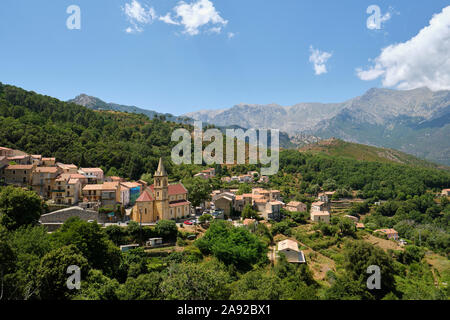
(18, 157)
(93, 187)
(110, 185)
(387, 231)
(130, 184)
(67, 166)
(92, 170)
(318, 203)
(48, 159)
(46, 169)
(36, 156)
(178, 204)
(261, 201)
(145, 197)
(257, 196)
(294, 204)
(360, 225)
(7, 149)
(174, 189)
(19, 167)
(239, 198)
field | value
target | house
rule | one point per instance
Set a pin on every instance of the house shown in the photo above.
(290, 249)
(326, 196)
(245, 178)
(296, 206)
(92, 192)
(320, 216)
(390, 233)
(43, 180)
(48, 162)
(36, 159)
(68, 168)
(446, 192)
(211, 172)
(18, 175)
(319, 206)
(226, 179)
(67, 190)
(275, 195)
(23, 159)
(272, 210)
(6, 152)
(161, 201)
(260, 205)
(134, 191)
(202, 175)
(360, 226)
(94, 175)
(264, 179)
(225, 201)
(124, 195)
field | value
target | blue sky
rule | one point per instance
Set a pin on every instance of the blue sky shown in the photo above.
(246, 51)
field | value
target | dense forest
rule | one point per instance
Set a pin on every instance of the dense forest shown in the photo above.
(226, 262)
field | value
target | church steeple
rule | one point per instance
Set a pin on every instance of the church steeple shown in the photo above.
(161, 171)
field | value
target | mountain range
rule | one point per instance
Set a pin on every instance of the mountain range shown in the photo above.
(413, 121)
(98, 104)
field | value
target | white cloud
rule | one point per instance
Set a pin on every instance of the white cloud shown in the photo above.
(319, 59)
(168, 19)
(231, 35)
(195, 15)
(422, 61)
(138, 15)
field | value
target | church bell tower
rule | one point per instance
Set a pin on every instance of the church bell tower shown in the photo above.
(161, 189)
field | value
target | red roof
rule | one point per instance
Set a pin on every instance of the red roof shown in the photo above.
(145, 197)
(174, 189)
(178, 204)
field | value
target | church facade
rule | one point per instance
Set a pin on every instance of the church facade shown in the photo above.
(161, 201)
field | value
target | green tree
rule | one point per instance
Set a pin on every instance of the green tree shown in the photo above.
(167, 229)
(233, 246)
(93, 243)
(199, 190)
(98, 287)
(52, 273)
(19, 207)
(249, 213)
(199, 281)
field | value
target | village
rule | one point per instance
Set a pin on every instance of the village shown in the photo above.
(70, 191)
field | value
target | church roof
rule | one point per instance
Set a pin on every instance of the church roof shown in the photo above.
(173, 189)
(161, 169)
(145, 197)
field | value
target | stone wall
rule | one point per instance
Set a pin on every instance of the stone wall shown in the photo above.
(61, 216)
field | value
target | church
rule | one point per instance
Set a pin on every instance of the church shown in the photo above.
(161, 201)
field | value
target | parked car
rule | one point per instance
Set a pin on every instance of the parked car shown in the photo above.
(189, 223)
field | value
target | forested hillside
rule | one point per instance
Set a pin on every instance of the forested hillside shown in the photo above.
(122, 144)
